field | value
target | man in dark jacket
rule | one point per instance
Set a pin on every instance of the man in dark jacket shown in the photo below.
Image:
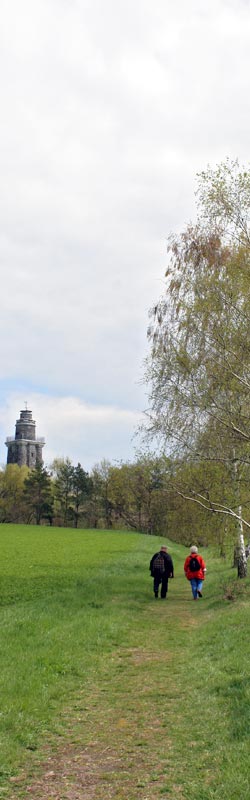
(161, 568)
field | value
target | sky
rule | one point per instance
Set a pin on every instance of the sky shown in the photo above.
(108, 112)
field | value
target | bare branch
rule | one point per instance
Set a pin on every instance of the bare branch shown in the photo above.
(220, 509)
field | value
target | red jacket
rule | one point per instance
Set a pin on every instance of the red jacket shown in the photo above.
(200, 574)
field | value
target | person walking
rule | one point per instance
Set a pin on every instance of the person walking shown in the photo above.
(161, 568)
(195, 571)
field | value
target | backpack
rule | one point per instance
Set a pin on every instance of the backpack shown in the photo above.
(194, 564)
(159, 564)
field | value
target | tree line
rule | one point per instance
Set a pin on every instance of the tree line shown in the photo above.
(139, 496)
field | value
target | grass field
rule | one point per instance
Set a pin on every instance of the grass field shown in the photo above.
(109, 693)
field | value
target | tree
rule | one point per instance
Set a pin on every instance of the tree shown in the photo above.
(103, 505)
(38, 495)
(12, 479)
(129, 495)
(63, 474)
(198, 370)
(138, 494)
(93, 510)
(81, 490)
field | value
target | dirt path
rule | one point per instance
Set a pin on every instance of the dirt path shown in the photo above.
(116, 744)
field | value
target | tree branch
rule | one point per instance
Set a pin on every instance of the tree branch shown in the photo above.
(203, 502)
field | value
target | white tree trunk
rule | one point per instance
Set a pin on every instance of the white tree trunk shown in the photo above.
(242, 560)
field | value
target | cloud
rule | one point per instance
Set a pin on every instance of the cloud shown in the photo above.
(108, 111)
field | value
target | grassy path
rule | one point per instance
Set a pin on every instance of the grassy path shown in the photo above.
(149, 724)
(159, 704)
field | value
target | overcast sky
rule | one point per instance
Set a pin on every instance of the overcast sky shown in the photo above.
(109, 108)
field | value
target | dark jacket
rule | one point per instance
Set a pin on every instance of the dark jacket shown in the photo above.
(169, 567)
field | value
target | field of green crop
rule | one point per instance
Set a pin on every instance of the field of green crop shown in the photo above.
(109, 693)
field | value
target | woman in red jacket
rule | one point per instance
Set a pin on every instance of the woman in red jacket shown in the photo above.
(195, 571)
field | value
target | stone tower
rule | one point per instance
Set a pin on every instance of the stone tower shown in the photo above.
(24, 448)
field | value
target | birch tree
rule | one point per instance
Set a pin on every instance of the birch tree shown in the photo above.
(198, 370)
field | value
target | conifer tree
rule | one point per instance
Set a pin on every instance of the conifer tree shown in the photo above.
(38, 495)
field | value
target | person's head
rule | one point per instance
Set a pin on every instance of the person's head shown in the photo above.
(193, 549)
(164, 548)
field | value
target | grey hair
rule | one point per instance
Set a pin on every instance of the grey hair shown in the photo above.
(193, 549)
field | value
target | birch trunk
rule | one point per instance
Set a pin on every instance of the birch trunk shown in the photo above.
(242, 560)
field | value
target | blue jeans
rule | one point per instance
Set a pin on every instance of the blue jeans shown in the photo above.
(196, 586)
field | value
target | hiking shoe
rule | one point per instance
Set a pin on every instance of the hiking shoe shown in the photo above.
(199, 593)
(156, 595)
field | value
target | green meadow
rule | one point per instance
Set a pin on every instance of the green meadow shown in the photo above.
(109, 693)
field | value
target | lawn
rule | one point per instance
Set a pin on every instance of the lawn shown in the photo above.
(109, 693)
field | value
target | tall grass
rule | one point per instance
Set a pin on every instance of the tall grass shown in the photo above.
(89, 657)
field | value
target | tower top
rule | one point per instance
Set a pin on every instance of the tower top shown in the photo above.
(25, 448)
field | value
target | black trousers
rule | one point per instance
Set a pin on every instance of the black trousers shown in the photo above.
(162, 580)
